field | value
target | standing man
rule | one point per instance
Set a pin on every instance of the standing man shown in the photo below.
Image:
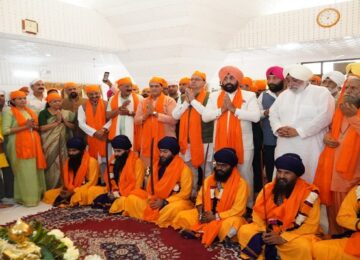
(36, 99)
(184, 83)
(173, 91)
(333, 81)
(74, 98)
(233, 110)
(275, 79)
(300, 116)
(194, 135)
(121, 110)
(154, 114)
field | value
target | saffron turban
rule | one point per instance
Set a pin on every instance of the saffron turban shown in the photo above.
(276, 71)
(92, 88)
(169, 143)
(226, 155)
(335, 76)
(121, 142)
(260, 84)
(53, 96)
(247, 81)
(299, 72)
(200, 74)
(354, 68)
(25, 89)
(163, 82)
(76, 143)
(231, 70)
(70, 85)
(17, 94)
(290, 162)
(124, 81)
(159, 80)
(317, 79)
(185, 80)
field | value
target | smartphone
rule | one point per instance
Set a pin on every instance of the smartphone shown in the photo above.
(106, 76)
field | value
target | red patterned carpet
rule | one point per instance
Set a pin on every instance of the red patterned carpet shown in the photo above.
(117, 237)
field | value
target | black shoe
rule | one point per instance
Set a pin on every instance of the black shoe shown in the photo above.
(228, 243)
(187, 234)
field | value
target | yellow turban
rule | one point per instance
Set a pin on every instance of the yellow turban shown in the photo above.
(200, 74)
(92, 88)
(69, 85)
(354, 68)
(53, 96)
(185, 80)
(17, 94)
(124, 81)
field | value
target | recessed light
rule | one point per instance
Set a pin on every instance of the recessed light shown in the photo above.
(48, 55)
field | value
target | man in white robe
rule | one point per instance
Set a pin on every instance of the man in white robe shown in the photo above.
(248, 112)
(37, 99)
(300, 117)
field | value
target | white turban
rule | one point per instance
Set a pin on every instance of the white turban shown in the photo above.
(34, 81)
(2, 92)
(298, 72)
(335, 76)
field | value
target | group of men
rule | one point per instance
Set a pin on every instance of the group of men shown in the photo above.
(200, 180)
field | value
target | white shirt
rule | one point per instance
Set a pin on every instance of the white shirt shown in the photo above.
(310, 112)
(35, 104)
(90, 131)
(248, 113)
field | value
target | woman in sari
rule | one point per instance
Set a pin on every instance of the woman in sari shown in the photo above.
(55, 126)
(24, 150)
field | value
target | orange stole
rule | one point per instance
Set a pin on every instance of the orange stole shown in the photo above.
(153, 128)
(289, 209)
(162, 187)
(352, 245)
(345, 164)
(226, 202)
(137, 128)
(192, 132)
(127, 180)
(28, 142)
(69, 181)
(230, 136)
(97, 121)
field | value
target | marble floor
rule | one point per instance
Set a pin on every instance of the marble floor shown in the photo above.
(18, 211)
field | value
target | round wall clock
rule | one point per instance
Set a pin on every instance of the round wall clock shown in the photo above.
(328, 17)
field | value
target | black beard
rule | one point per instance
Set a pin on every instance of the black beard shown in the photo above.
(165, 161)
(283, 188)
(119, 165)
(276, 87)
(145, 95)
(75, 162)
(352, 100)
(222, 176)
(73, 95)
(230, 88)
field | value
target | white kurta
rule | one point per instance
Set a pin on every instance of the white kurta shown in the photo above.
(248, 113)
(35, 104)
(310, 113)
(125, 124)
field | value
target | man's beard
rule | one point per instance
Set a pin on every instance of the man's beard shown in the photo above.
(298, 89)
(120, 162)
(75, 161)
(276, 87)
(165, 161)
(222, 176)
(73, 95)
(283, 188)
(229, 87)
(352, 100)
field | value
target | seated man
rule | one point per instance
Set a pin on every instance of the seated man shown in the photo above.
(225, 197)
(80, 173)
(286, 215)
(170, 192)
(349, 218)
(126, 174)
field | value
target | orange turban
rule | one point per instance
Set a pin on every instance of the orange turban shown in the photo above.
(53, 96)
(92, 88)
(164, 83)
(260, 84)
(124, 81)
(248, 81)
(25, 89)
(317, 79)
(69, 85)
(185, 80)
(17, 94)
(159, 80)
(200, 74)
(231, 70)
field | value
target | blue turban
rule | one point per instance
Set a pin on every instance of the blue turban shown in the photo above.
(226, 155)
(121, 142)
(169, 143)
(290, 162)
(76, 143)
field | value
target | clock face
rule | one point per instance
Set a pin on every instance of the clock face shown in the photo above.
(328, 17)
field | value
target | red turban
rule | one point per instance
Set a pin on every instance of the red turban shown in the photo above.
(230, 70)
(276, 71)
